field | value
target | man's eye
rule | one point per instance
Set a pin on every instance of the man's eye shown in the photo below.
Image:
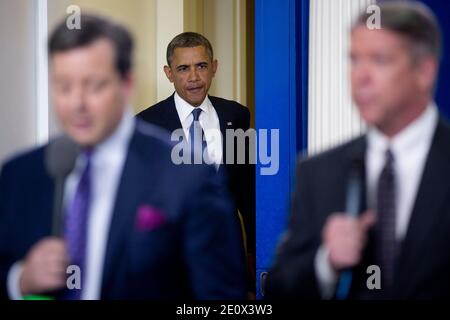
(96, 85)
(63, 88)
(202, 66)
(182, 69)
(381, 60)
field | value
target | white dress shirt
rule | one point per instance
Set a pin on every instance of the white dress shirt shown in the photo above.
(107, 163)
(410, 148)
(209, 120)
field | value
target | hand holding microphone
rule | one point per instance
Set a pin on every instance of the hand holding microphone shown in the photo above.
(44, 268)
(345, 238)
(345, 234)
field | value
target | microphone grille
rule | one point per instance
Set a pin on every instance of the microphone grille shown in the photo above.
(60, 156)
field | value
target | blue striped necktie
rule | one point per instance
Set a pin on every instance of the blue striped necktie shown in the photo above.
(196, 136)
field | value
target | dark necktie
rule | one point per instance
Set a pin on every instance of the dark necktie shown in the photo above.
(197, 143)
(386, 243)
(76, 225)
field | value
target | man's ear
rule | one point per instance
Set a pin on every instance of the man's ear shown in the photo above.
(215, 64)
(128, 85)
(427, 73)
(168, 73)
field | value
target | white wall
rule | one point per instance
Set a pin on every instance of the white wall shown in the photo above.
(169, 17)
(17, 82)
(332, 117)
(223, 22)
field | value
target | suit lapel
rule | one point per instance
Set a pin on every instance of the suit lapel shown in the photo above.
(43, 201)
(171, 115)
(222, 113)
(433, 191)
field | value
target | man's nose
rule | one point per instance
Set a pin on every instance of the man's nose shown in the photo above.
(77, 99)
(193, 75)
(362, 75)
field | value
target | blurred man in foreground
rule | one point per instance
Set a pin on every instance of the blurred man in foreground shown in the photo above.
(402, 233)
(132, 231)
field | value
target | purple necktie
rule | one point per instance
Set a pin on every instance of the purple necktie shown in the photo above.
(76, 224)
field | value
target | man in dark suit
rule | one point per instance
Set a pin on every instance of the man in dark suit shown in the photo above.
(132, 232)
(191, 68)
(398, 246)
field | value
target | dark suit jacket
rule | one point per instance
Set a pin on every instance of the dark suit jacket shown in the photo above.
(423, 266)
(196, 254)
(241, 178)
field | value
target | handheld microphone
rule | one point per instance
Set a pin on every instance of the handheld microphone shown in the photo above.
(352, 207)
(60, 157)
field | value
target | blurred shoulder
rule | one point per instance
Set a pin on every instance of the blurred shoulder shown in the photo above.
(335, 157)
(27, 161)
(231, 105)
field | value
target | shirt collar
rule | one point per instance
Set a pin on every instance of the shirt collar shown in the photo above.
(421, 129)
(184, 109)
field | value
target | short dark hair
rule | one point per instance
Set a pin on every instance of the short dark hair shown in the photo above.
(188, 40)
(95, 27)
(414, 21)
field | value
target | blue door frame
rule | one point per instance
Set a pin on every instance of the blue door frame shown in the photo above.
(281, 59)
